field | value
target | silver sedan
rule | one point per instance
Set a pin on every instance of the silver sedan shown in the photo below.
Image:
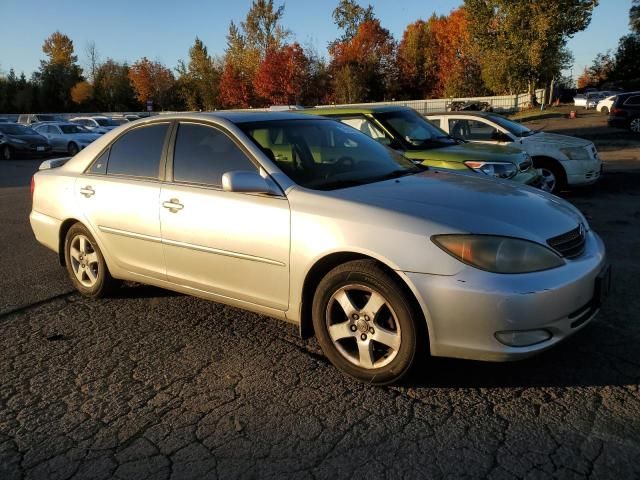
(66, 137)
(309, 221)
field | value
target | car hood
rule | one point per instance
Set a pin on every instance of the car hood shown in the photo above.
(466, 203)
(556, 140)
(29, 138)
(468, 151)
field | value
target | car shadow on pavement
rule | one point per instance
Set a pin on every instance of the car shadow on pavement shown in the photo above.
(139, 290)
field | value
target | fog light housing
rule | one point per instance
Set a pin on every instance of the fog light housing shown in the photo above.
(523, 338)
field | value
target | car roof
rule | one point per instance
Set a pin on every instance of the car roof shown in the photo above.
(357, 109)
(56, 123)
(234, 116)
(468, 113)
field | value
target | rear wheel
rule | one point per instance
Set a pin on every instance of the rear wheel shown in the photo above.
(605, 110)
(634, 125)
(365, 324)
(6, 152)
(85, 264)
(553, 175)
(73, 149)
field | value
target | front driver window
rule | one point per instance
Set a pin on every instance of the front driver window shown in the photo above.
(203, 154)
(474, 130)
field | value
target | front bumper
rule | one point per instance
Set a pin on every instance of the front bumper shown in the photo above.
(582, 172)
(465, 311)
(31, 149)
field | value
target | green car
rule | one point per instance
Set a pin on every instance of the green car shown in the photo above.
(403, 129)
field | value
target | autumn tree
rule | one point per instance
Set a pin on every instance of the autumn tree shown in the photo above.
(199, 79)
(81, 92)
(348, 16)
(112, 90)
(93, 59)
(235, 89)
(525, 40)
(262, 28)
(634, 16)
(151, 81)
(281, 75)
(417, 60)
(58, 73)
(362, 65)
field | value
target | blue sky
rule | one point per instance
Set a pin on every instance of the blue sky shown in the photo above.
(165, 29)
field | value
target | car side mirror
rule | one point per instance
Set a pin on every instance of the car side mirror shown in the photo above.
(247, 182)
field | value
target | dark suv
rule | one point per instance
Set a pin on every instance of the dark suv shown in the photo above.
(625, 112)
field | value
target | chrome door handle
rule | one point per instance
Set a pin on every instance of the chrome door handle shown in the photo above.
(87, 191)
(173, 205)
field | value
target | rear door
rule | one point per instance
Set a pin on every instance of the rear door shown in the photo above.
(227, 243)
(120, 195)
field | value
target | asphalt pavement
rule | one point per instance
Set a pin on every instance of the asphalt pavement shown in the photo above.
(152, 384)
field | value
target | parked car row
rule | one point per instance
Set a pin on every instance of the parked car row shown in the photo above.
(486, 143)
(311, 220)
(40, 134)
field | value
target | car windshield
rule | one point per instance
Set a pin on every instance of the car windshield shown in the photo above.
(15, 129)
(106, 122)
(69, 129)
(414, 130)
(515, 128)
(325, 154)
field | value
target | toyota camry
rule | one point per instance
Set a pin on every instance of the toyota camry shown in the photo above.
(310, 221)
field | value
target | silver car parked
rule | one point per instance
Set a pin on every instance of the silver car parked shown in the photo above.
(310, 221)
(66, 137)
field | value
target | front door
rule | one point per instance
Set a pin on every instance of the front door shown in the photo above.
(227, 243)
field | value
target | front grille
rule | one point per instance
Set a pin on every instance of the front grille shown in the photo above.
(570, 244)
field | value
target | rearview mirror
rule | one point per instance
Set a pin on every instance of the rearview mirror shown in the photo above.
(247, 182)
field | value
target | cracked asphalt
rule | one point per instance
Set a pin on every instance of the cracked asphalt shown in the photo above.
(152, 384)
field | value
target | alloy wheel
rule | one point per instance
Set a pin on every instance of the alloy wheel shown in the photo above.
(362, 326)
(635, 125)
(6, 152)
(84, 261)
(549, 180)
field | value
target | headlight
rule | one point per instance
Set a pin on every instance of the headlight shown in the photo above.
(499, 254)
(493, 169)
(576, 153)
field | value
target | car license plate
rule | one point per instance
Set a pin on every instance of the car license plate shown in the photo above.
(603, 286)
(40, 149)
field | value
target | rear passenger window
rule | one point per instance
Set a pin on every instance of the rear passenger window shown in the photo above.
(99, 165)
(137, 153)
(435, 121)
(635, 100)
(203, 154)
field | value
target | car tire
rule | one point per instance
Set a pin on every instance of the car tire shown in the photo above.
(86, 265)
(553, 175)
(634, 125)
(605, 110)
(72, 149)
(378, 339)
(6, 153)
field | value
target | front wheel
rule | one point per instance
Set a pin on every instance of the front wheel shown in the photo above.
(365, 323)
(85, 264)
(73, 149)
(553, 175)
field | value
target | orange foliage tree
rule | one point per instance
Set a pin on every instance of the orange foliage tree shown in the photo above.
(81, 92)
(151, 81)
(368, 58)
(281, 75)
(459, 70)
(235, 88)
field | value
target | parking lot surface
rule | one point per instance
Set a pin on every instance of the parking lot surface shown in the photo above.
(152, 384)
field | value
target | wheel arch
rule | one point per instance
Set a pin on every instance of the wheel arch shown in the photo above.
(62, 235)
(325, 264)
(547, 158)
